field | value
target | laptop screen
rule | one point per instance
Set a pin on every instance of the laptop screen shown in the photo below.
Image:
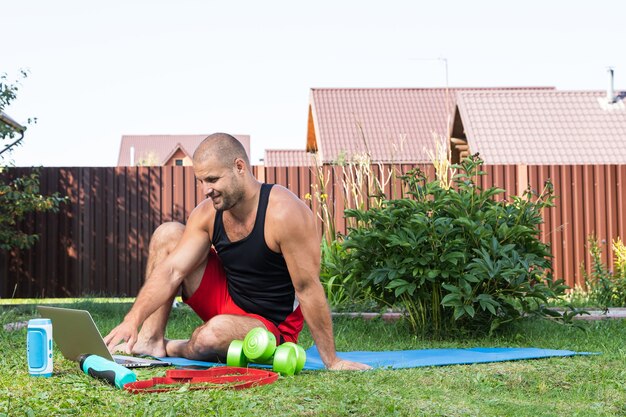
(75, 332)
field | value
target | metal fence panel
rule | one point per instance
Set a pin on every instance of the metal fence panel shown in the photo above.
(97, 244)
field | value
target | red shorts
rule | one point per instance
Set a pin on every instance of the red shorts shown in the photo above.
(212, 298)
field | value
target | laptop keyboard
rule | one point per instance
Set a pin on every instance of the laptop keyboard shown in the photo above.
(133, 362)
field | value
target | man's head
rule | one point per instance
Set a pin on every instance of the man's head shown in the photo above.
(222, 167)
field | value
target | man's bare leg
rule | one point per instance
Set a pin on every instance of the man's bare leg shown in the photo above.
(151, 338)
(211, 340)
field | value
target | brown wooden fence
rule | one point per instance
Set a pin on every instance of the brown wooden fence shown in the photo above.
(97, 244)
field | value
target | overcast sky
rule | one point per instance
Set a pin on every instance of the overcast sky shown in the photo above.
(102, 70)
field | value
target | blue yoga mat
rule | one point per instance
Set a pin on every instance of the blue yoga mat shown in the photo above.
(398, 359)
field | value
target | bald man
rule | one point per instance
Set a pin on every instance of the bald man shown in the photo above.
(248, 257)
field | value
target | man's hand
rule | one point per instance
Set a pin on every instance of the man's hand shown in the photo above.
(124, 332)
(343, 365)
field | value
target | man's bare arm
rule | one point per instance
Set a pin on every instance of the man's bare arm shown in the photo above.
(165, 279)
(300, 245)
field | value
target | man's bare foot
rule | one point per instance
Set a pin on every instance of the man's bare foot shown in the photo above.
(180, 348)
(150, 347)
(176, 348)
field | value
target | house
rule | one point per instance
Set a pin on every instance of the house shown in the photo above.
(164, 150)
(391, 124)
(540, 127)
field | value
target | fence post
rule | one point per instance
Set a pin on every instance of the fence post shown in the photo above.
(260, 172)
(522, 179)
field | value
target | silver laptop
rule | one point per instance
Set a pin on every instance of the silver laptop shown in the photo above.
(76, 334)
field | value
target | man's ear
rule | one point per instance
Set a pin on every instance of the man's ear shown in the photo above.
(240, 165)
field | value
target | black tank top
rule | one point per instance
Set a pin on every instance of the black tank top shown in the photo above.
(258, 279)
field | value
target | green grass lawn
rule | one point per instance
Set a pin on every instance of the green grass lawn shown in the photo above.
(575, 386)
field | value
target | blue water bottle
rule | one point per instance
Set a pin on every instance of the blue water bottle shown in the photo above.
(39, 347)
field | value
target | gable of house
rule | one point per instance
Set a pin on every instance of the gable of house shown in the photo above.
(178, 157)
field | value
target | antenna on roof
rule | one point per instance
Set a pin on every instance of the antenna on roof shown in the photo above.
(610, 92)
(445, 62)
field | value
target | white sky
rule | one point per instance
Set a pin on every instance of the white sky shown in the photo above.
(101, 70)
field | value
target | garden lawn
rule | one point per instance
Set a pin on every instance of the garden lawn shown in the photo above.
(573, 386)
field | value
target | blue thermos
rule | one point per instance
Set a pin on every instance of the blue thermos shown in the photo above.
(39, 347)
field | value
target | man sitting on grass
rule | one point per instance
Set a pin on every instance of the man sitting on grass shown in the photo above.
(249, 256)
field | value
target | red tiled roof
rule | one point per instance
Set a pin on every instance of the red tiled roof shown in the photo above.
(161, 147)
(544, 127)
(393, 124)
(288, 158)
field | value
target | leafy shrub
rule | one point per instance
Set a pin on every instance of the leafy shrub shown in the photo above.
(19, 197)
(342, 290)
(607, 288)
(335, 278)
(454, 257)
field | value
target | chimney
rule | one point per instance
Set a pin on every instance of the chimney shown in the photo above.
(610, 92)
(132, 156)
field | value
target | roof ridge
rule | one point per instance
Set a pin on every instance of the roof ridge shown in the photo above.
(539, 91)
(516, 88)
(286, 150)
(155, 135)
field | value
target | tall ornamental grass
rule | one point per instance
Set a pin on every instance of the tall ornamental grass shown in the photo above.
(361, 187)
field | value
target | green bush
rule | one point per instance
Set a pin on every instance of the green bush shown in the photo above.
(454, 258)
(606, 288)
(342, 291)
(19, 196)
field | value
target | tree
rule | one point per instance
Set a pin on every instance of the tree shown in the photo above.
(19, 195)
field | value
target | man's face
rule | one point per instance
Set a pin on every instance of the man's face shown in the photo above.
(220, 183)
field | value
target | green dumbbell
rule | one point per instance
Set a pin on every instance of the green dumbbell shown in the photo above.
(259, 345)
(285, 361)
(235, 356)
(300, 355)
